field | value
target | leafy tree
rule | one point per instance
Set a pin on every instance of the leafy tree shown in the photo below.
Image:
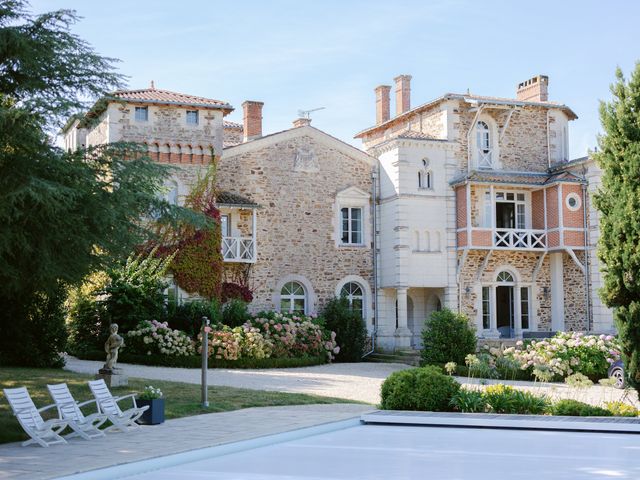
(135, 290)
(619, 204)
(62, 214)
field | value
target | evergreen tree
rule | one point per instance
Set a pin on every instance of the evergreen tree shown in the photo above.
(619, 204)
(62, 214)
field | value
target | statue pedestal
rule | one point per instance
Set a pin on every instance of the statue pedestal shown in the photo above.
(113, 378)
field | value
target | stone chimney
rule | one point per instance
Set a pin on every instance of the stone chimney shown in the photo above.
(301, 122)
(383, 104)
(252, 120)
(535, 89)
(403, 93)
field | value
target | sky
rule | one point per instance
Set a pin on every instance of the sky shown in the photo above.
(301, 55)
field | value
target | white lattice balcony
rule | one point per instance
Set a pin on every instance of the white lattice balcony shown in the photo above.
(239, 249)
(509, 238)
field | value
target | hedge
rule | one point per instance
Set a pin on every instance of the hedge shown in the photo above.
(195, 361)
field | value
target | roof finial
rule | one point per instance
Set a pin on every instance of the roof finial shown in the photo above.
(153, 85)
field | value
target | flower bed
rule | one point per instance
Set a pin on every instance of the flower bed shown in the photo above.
(266, 341)
(428, 389)
(555, 358)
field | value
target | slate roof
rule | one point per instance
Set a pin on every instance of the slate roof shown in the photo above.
(524, 179)
(413, 135)
(235, 200)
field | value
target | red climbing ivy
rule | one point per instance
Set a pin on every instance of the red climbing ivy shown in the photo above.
(198, 266)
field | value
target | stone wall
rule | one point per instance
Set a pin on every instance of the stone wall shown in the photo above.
(167, 127)
(523, 263)
(575, 313)
(297, 220)
(524, 146)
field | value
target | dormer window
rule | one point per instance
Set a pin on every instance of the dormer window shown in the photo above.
(483, 143)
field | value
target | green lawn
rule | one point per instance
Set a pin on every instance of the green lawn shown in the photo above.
(181, 399)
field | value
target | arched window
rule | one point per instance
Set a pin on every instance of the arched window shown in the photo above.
(353, 292)
(483, 143)
(505, 277)
(293, 298)
(425, 176)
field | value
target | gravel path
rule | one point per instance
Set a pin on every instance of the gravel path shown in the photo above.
(353, 381)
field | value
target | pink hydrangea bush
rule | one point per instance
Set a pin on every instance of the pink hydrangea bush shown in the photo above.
(296, 335)
(153, 337)
(224, 343)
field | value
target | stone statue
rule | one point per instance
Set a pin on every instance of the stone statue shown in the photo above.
(111, 346)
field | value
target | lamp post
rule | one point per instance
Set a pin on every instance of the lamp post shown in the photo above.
(205, 356)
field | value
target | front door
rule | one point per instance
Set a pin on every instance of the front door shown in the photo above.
(504, 311)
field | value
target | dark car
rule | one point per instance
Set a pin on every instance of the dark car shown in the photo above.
(616, 371)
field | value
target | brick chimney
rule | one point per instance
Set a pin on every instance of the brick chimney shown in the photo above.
(535, 89)
(252, 120)
(383, 103)
(301, 122)
(403, 93)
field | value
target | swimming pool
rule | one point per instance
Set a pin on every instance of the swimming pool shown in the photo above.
(351, 450)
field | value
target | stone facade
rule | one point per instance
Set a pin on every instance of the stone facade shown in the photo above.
(296, 178)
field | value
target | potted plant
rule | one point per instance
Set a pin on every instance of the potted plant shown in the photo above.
(152, 397)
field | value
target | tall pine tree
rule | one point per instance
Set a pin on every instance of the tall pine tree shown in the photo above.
(62, 214)
(619, 204)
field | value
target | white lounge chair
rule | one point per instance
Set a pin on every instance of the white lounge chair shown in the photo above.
(42, 432)
(108, 404)
(86, 427)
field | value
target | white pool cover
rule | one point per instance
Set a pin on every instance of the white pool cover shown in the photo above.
(419, 452)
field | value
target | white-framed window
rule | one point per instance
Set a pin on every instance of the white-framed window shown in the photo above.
(293, 298)
(483, 145)
(573, 201)
(511, 208)
(524, 307)
(486, 308)
(142, 114)
(354, 293)
(351, 226)
(192, 117)
(225, 225)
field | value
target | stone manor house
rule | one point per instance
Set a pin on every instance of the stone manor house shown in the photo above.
(466, 202)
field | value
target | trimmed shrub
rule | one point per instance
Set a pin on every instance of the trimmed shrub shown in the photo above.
(235, 313)
(188, 316)
(574, 408)
(424, 388)
(447, 337)
(351, 332)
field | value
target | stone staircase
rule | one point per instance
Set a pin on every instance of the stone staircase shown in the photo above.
(408, 357)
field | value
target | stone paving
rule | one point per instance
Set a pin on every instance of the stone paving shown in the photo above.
(174, 436)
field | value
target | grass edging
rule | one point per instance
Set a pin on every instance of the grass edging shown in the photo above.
(195, 361)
